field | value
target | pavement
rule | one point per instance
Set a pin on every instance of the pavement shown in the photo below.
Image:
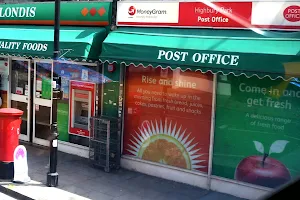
(79, 181)
(6, 197)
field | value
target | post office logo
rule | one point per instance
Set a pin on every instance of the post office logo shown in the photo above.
(292, 13)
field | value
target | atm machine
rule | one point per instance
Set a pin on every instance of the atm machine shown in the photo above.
(81, 107)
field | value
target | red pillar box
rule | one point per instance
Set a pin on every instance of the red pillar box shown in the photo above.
(10, 122)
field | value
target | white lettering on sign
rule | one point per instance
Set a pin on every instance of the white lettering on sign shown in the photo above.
(218, 59)
(177, 55)
(27, 12)
(23, 46)
(35, 46)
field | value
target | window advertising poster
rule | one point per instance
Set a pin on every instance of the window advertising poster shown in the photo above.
(63, 121)
(168, 116)
(4, 74)
(4, 82)
(257, 137)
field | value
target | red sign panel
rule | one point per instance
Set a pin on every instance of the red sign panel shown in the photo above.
(195, 14)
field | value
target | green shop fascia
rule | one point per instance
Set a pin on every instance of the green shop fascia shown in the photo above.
(27, 32)
(27, 29)
(256, 92)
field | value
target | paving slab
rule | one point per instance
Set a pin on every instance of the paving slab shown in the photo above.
(38, 191)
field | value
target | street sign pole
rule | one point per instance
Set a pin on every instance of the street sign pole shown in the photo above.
(52, 175)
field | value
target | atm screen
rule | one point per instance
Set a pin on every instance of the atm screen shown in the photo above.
(81, 115)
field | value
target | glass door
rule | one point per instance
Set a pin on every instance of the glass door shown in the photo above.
(42, 101)
(20, 92)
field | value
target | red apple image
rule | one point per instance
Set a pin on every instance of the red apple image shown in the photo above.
(263, 170)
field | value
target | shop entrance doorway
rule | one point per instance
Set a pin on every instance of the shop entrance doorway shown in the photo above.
(30, 90)
(19, 92)
(42, 101)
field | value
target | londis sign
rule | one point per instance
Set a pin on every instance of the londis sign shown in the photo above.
(11, 12)
(71, 13)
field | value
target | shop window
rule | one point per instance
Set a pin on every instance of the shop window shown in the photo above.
(257, 137)
(168, 116)
(82, 101)
(3, 81)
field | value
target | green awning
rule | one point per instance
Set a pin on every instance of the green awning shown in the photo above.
(239, 52)
(76, 43)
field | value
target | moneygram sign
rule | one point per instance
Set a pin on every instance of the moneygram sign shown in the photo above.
(148, 12)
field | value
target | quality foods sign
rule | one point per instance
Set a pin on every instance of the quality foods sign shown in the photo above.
(280, 15)
(25, 46)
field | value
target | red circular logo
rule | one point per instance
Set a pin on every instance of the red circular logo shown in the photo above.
(292, 13)
(131, 10)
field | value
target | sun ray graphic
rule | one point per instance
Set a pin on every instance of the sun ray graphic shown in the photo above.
(166, 143)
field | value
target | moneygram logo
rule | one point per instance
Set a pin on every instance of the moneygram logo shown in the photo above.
(151, 12)
(131, 10)
(145, 12)
(292, 13)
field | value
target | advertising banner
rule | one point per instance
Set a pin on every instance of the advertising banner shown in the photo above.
(168, 116)
(63, 121)
(4, 75)
(257, 126)
(243, 14)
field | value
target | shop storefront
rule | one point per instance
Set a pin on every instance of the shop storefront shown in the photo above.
(209, 107)
(26, 47)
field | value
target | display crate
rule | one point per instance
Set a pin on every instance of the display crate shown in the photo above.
(100, 127)
(104, 145)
